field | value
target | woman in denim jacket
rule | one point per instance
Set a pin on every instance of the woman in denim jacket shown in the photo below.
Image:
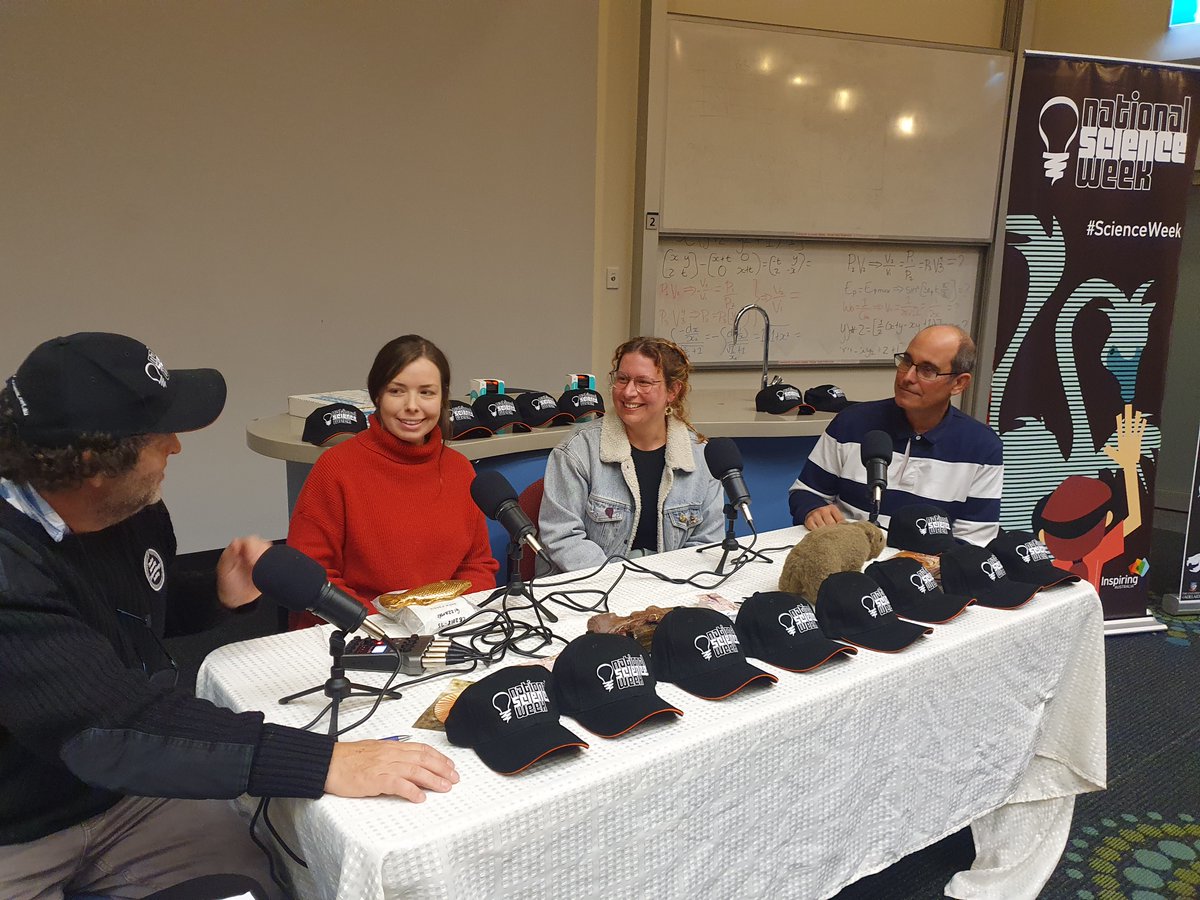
(635, 482)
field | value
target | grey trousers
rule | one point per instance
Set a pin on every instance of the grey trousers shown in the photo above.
(139, 846)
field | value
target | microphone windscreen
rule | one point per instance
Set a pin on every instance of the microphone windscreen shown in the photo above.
(290, 578)
(722, 455)
(489, 490)
(876, 445)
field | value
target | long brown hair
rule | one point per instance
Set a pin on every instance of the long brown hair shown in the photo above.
(674, 364)
(396, 355)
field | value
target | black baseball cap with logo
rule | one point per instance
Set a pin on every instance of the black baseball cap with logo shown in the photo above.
(538, 409)
(603, 682)
(913, 591)
(698, 650)
(852, 607)
(496, 411)
(101, 383)
(978, 572)
(1028, 559)
(463, 424)
(781, 628)
(579, 403)
(510, 719)
(827, 398)
(921, 528)
(325, 423)
(780, 399)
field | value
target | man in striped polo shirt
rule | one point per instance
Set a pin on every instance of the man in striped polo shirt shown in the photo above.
(939, 454)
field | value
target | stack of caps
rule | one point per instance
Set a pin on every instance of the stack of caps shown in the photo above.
(496, 412)
(827, 398)
(780, 399)
(325, 424)
(464, 424)
(781, 628)
(698, 650)
(580, 404)
(539, 410)
(852, 607)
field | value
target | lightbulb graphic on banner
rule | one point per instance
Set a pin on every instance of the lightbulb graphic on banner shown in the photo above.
(1056, 160)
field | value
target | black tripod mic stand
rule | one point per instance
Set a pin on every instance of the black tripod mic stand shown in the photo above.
(338, 687)
(730, 543)
(516, 586)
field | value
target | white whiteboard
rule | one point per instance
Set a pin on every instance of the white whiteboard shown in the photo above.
(829, 303)
(782, 132)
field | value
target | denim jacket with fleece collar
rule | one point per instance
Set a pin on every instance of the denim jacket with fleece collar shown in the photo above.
(592, 501)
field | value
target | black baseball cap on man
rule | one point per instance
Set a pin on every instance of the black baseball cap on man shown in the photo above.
(101, 383)
(325, 423)
(603, 682)
(921, 528)
(1028, 559)
(781, 628)
(852, 607)
(779, 399)
(698, 650)
(827, 398)
(538, 409)
(977, 571)
(510, 719)
(914, 592)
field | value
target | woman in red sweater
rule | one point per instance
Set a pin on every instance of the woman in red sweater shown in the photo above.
(391, 508)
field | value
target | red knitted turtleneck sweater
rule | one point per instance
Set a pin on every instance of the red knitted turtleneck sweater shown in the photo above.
(382, 515)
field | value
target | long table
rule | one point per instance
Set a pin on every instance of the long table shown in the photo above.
(997, 720)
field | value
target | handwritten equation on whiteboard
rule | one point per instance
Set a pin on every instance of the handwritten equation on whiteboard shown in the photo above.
(829, 302)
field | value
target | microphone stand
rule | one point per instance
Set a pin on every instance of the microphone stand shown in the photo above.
(338, 687)
(876, 498)
(516, 586)
(730, 543)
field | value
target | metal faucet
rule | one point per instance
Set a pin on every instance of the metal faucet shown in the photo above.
(766, 334)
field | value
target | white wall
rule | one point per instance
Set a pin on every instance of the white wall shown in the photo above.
(276, 188)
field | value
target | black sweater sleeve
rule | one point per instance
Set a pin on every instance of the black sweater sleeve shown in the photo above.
(68, 695)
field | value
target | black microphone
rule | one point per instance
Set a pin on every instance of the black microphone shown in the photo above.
(876, 452)
(494, 495)
(725, 463)
(298, 583)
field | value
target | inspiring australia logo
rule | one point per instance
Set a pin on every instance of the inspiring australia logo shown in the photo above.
(1137, 571)
(1118, 141)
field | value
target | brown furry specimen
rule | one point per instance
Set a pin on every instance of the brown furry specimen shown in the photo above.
(845, 547)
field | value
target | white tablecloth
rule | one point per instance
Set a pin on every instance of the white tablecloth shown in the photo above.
(996, 719)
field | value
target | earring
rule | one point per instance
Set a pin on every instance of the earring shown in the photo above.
(670, 410)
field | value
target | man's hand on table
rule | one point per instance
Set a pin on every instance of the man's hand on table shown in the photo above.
(822, 516)
(371, 768)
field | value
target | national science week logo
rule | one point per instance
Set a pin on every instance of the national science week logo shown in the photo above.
(1117, 142)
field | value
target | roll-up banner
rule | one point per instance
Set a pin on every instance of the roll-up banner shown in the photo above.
(1101, 165)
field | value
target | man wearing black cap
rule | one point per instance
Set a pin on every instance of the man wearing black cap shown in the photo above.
(939, 454)
(110, 777)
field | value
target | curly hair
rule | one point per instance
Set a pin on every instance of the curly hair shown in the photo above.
(675, 366)
(61, 468)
